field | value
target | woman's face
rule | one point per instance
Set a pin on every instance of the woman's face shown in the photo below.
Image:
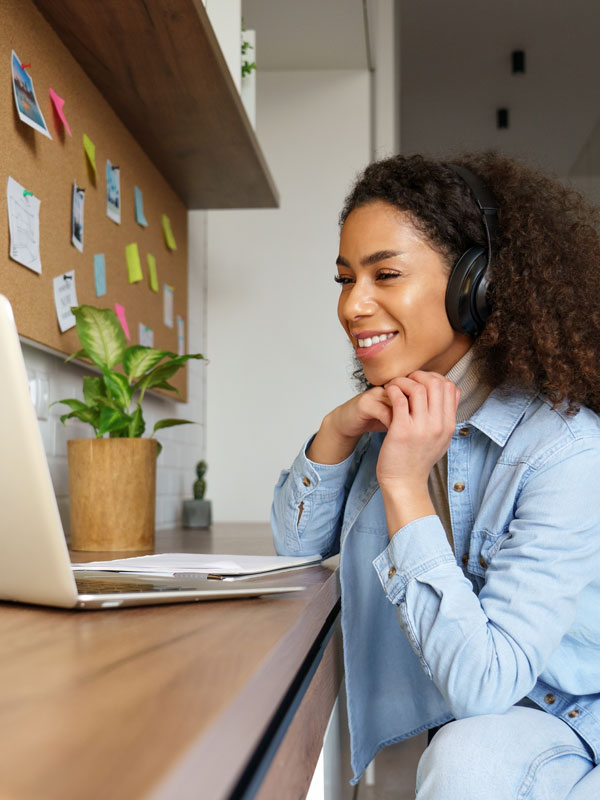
(393, 288)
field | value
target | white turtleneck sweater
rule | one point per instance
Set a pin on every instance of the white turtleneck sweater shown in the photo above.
(466, 375)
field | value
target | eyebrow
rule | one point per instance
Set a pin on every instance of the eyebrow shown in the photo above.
(368, 261)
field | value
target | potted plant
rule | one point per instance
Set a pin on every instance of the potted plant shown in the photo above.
(112, 477)
(197, 512)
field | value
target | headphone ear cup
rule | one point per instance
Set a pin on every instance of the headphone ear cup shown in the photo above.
(463, 305)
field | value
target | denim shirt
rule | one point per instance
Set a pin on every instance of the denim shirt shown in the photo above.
(430, 634)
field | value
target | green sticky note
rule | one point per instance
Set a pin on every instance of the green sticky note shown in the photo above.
(134, 268)
(90, 151)
(169, 238)
(152, 276)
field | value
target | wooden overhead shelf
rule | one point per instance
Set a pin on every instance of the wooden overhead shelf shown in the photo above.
(159, 65)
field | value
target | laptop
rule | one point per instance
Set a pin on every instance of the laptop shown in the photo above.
(34, 559)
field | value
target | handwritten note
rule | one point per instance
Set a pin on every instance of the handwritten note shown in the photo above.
(58, 103)
(168, 305)
(139, 207)
(65, 296)
(100, 274)
(180, 336)
(134, 267)
(24, 226)
(145, 335)
(120, 312)
(90, 151)
(169, 238)
(152, 276)
(77, 217)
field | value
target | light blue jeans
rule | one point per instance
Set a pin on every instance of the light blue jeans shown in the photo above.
(524, 754)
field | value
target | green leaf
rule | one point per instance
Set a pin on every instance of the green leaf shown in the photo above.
(119, 389)
(162, 373)
(139, 359)
(168, 386)
(137, 425)
(101, 335)
(158, 448)
(79, 354)
(80, 411)
(112, 420)
(158, 375)
(169, 423)
(93, 388)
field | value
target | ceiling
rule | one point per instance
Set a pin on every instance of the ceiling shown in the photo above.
(456, 70)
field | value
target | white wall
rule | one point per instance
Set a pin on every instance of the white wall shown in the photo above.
(182, 446)
(279, 360)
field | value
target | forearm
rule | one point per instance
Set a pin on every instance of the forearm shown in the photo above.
(329, 446)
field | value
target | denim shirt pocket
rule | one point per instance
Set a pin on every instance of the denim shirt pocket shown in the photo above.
(483, 546)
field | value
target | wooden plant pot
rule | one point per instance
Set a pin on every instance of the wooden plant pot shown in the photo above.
(112, 491)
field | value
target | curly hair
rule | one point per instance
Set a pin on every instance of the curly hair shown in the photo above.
(544, 329)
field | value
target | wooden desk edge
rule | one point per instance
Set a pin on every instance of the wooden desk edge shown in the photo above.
(233, 739)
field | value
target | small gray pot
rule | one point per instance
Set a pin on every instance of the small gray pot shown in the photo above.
(197, 514)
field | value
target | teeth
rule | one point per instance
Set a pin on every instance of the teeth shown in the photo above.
(375, 340)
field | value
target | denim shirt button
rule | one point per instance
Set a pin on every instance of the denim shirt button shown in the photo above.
(464, 432)
(549, 698)
(392, 572)
(574, 713)
(306, 481)
(465, 559)
(483, 562)
(459, 487)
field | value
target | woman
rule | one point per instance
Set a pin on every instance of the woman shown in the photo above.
(460, 485)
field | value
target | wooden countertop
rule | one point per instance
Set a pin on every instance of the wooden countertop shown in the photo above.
(131, 703)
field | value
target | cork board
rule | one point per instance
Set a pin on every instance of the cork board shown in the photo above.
(48, 168)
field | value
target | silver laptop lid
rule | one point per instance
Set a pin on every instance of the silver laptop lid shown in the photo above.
(34, 559)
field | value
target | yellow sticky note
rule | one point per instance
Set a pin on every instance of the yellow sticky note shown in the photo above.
(90, 151)
(169, 238)
(152, 276)
(134, 268)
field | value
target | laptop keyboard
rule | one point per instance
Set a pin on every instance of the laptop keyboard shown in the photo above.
(105, 585)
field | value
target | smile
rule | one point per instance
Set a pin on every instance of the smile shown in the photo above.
(372, 345)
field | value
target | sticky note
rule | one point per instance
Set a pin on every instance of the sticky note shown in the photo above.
(65, 296)
(139, 207)
(90, 151)
(168, 305)
(152, 276)
(180, 336)
(58, 104)
(120, 312)
(134, 268)
(169, 238)
(145, 335)
(100, 274)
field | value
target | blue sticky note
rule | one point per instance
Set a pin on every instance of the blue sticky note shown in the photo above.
(100, 274)
(139, 207)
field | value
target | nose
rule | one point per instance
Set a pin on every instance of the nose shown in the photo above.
(358, 301)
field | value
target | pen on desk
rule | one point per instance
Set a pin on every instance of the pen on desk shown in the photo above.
(203, 575)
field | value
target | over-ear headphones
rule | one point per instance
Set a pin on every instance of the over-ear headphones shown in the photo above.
(467, 302)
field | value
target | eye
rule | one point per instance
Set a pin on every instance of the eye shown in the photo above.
(385, 275)
(343, 279)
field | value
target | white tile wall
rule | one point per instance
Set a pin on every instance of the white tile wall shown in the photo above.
(183, 446)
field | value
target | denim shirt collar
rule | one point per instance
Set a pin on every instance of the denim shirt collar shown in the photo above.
(501, 412)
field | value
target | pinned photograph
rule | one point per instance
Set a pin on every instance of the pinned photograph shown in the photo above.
(77, 217)
(25, 99)
(113, 192)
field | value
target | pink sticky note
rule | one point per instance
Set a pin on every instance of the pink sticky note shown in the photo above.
(120, 312)
(58, 105)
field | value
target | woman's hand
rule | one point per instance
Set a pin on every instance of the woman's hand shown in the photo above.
(342, 428)
(424, 408)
